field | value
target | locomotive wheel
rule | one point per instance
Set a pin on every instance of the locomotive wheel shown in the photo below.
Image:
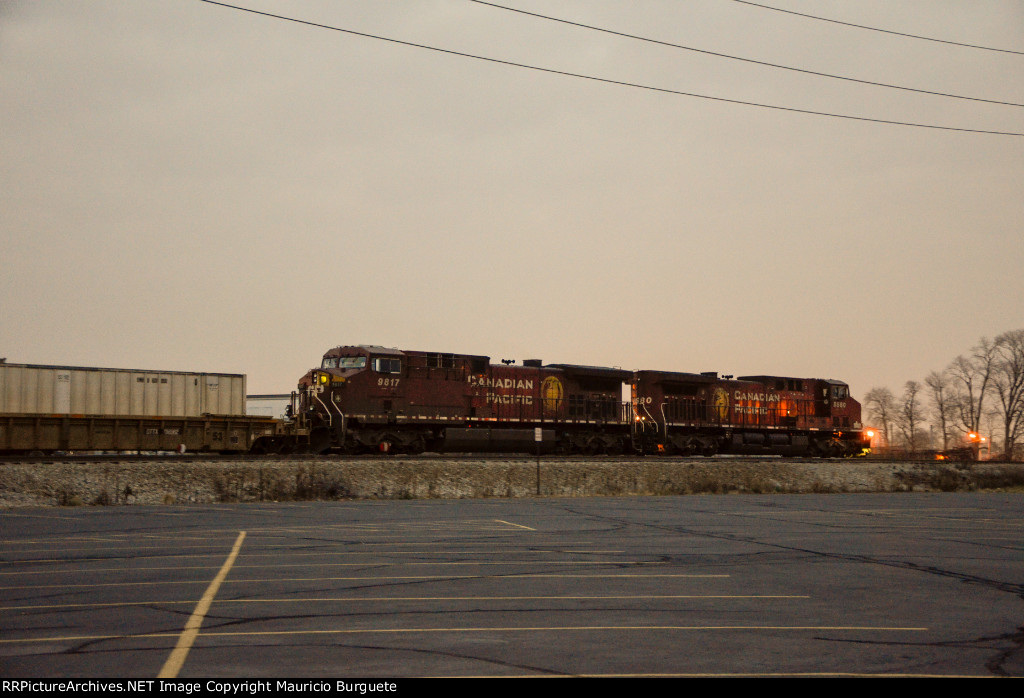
(319, 441)
(349, 446)
(417, 446)
(267, 445)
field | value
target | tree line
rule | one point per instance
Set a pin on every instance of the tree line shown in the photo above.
(979, 394)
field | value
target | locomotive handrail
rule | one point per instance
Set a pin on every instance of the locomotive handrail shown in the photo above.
(327, 411)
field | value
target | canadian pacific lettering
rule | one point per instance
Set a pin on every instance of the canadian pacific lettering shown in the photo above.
(506, 383)
(518, 396)
(757, 397)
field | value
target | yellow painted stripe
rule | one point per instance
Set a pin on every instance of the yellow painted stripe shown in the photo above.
(570, 628)
(767, 674)
(396, 526)
(378, 599)
(380, 578)
(516, 525)
(398, 631)
(320, 554)
(174, 663)
(375, 563)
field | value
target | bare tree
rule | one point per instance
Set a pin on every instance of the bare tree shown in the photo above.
(942, 403)
(910, 416)
(881, 405)
(1008, 384)
(971, 376)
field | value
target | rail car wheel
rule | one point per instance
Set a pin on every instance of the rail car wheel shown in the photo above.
(827, 449)
(417, 446)
(268, 445)
(708, 449)
(319, 441)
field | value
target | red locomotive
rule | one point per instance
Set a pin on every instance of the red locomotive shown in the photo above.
(371, 398)
(691, 413)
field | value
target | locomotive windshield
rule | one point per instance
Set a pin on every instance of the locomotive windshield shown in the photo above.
(345, 362)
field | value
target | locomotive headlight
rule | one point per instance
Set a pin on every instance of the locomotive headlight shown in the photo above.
(324, 378)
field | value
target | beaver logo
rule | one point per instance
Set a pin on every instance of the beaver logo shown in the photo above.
(552, 393)
(720, 401)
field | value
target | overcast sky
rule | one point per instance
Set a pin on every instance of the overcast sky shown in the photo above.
(189, 187)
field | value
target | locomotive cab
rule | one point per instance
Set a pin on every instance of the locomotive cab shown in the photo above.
(353, 383)
(362, 380)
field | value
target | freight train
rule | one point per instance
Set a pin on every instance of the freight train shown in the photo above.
(373, 399)
(377, 399)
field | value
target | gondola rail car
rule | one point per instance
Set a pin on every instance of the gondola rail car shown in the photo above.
(376, 399)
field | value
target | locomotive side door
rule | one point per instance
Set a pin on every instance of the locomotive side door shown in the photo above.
(822, 404)
(387, 385)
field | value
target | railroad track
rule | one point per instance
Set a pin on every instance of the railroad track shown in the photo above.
(200, 457)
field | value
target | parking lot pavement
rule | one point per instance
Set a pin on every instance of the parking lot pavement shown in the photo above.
(908, 584)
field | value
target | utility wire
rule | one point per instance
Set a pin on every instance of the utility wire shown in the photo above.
(739, 58)
(606, 80)
(876, 29)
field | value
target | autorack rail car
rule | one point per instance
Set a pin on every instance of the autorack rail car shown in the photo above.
(375, 399)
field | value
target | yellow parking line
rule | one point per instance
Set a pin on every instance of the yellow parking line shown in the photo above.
(375, 563)
(398, 631)
(318, 554)
(381, 578)
(724, 675)
(188, 636)
(383, 599)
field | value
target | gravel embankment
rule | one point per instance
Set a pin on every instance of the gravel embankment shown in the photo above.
(67, 482)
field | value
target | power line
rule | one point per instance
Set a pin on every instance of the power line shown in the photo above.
(606, 80)
(876, 29)
(740, 58)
